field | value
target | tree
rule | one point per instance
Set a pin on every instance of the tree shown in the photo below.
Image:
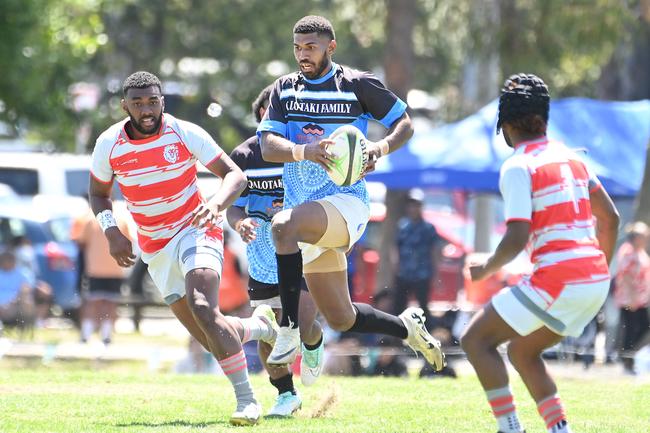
(620, 80)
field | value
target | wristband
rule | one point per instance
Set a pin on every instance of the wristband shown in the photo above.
(106, 220)
(383, 147)
(298, 152)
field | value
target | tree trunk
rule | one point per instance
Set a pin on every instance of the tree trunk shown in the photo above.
(480, 86)
(398, 65)
(620, 80)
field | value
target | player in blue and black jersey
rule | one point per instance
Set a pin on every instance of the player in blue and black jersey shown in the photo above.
(251, 217)
(321, 220)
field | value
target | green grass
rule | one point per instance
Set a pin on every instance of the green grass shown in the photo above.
(128, 399)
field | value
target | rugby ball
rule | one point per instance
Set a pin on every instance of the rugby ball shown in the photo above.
(349, 155)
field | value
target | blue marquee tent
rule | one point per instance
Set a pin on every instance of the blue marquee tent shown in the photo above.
(468, 155)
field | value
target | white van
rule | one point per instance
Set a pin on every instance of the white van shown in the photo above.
(34, 173)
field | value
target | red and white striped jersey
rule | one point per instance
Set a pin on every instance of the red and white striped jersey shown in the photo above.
(157, 175)
(547, 184)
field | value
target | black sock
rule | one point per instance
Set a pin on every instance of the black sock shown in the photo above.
(372, 321)
(314, 346)
(284, 384)
(289, 281)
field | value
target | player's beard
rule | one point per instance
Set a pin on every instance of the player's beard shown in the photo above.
(143, 130)
(318, 69)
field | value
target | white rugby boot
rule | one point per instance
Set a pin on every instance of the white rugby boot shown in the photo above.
(248, 415)
(286, 346)
(286, 404)
(419, 338)
(311, 364)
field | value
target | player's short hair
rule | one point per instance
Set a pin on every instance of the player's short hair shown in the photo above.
(140, 80)
(314, 24)
(524, 104)
(262, 101)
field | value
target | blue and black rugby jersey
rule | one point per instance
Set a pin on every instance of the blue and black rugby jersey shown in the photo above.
(261, 199)
(303, 111)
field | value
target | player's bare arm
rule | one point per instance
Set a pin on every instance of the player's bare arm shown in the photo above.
(242, 223)
(513, 242)
(232, 185)
(278, 149)
(607, 221)
(399, 133)
(120, 247)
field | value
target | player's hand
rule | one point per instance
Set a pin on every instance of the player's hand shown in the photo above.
(205, 216)
(120, 247)
(317, 152)
(247, 229)
(478, 272)
(374, 153)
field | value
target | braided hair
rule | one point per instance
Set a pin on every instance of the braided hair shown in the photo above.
(524, 103)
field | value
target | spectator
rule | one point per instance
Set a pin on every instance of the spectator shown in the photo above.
(632, 291)
(417, 255)
(27, 263)
(103, 276)
(16, 298)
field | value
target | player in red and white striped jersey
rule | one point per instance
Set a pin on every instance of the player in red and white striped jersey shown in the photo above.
(551, 199)
(153, 157)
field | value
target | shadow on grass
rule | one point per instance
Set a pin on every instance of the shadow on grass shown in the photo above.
(175, 423)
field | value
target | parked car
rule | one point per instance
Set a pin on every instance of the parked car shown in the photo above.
(48, 230)
(32, 173)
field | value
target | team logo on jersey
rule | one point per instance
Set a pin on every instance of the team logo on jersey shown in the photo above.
(313, 129)
(171, 153)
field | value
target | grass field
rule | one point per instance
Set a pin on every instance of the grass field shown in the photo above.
(115, 399)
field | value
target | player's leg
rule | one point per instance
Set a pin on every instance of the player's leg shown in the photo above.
(305, 223)
(181, 310)
(486, 331)
(224, 342)
(288, 401)
(313, 345)
(332, 297)
(525, 354)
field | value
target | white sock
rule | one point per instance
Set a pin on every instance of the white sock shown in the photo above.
(87, 328)
(254, 329)
(106, 329)
(503, 408)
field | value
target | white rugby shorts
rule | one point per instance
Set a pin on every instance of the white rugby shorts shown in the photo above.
(356, 215)
(527, 308)
(189, 249)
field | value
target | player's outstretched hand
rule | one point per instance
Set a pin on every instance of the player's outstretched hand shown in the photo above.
(247, 229)
(317, 152)
(120, 247)
(205, 216)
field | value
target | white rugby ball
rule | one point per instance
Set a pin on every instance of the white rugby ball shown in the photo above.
(349, 155)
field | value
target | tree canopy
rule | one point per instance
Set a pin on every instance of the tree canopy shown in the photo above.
(224, 52)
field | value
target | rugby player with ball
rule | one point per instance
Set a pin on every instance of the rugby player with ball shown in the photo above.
(322, 219)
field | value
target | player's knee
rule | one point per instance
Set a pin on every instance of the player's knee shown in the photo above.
(469, 341)
(281, 226)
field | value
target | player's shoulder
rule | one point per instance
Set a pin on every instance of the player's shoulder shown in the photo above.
(111, 135)
(516, 161)
(185, 128)
(353, 75)
(246, 149)
(287, 81)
